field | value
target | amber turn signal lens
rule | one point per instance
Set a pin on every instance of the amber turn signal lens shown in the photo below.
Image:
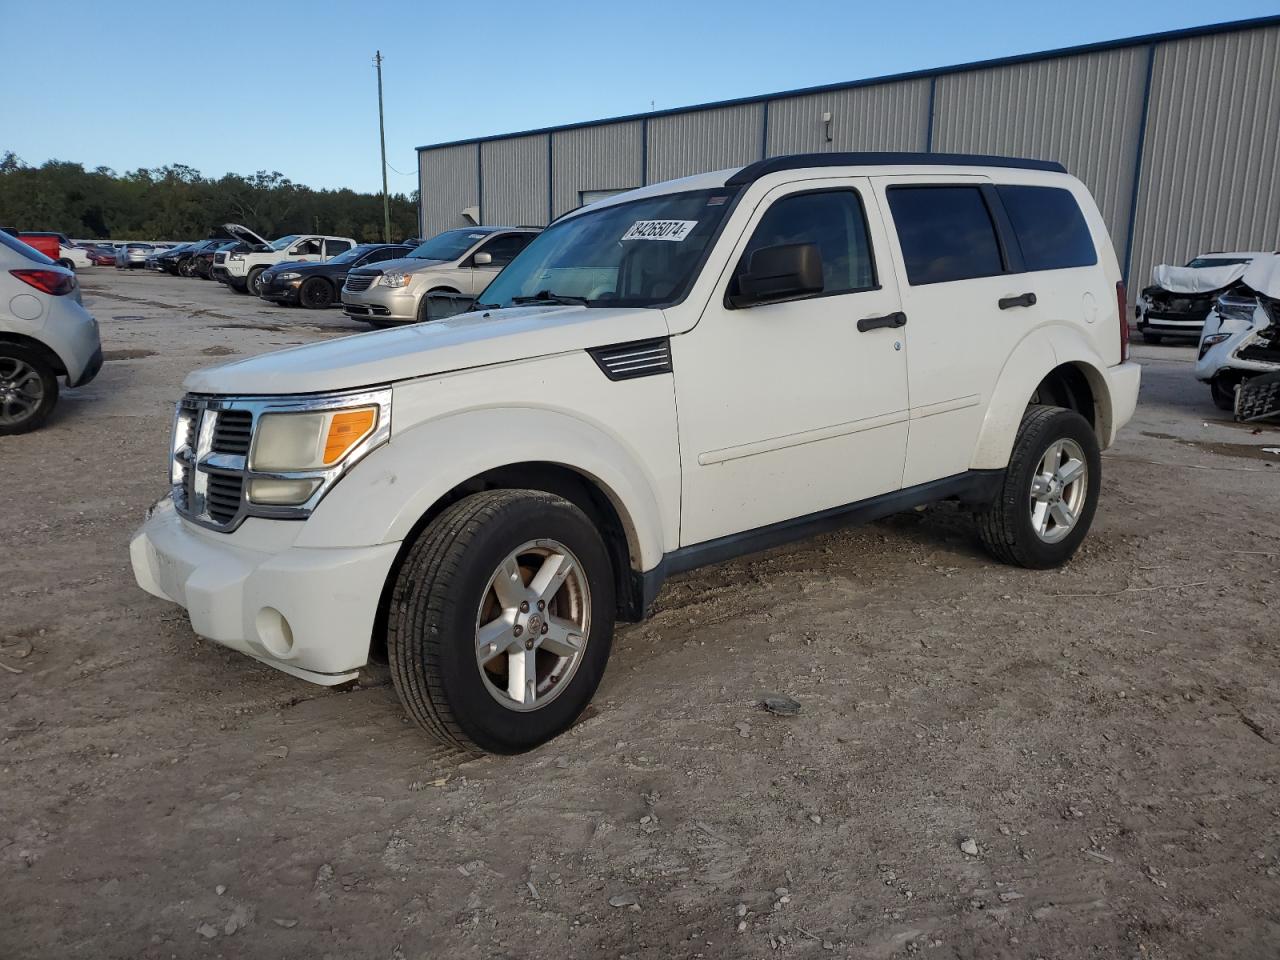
(346, 430)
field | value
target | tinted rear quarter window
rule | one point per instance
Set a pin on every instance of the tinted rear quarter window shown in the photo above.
(1049, 226)
(945, 232)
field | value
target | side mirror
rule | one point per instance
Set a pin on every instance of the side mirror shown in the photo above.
(482, 259)
(783, 272)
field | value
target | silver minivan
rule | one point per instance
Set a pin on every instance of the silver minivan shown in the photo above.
(454, 262)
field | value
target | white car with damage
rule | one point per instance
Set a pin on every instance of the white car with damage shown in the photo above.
(670, 377)
(1241, 338)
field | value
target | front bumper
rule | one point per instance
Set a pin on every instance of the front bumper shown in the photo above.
(286, 292)
(306, 611)
(386, 304)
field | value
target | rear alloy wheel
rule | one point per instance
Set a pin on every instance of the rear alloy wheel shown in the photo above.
(501, 621)
(1049, 494)
(316, 294)
(28, 389)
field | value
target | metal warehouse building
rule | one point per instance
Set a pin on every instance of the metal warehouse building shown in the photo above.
(1177, 135)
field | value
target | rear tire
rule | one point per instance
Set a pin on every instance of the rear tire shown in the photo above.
(28, 389)
(1046, 501)
(316, 294)
(464, 589)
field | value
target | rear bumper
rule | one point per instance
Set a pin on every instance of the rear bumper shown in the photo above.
(91, 370)
(308, 612)
(1124, 381)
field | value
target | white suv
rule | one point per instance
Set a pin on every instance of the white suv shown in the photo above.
(241, 270)
(667, 378)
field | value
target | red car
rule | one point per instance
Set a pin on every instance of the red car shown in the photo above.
(102, 258)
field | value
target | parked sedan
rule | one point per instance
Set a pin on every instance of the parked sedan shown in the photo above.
(102, 256)
(165, 260)
(185, 260)
(316, 285)
(130, 255)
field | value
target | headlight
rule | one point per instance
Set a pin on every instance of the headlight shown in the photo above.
(1213, 338)
(395, 279)
(235, 256)
(1236, 307)
(288, 276)
(287, 442)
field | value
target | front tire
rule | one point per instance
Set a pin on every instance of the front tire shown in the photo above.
(316, 294)
(253, 282)
(501, 621)
(1223, 390)
(185, 268)
(1049, 493)
(28, 389)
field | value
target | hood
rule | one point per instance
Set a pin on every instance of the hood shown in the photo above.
(424, 349)
(1197, 279)
(299, 266)
(406, 264)
(235, 231)
(1263, 275)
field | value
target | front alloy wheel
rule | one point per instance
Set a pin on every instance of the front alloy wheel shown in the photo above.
(501, 620)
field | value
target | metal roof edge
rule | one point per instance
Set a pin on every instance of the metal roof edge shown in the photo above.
(1229, 26)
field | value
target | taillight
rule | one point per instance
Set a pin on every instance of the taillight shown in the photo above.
(1122, 312)
(47, 281)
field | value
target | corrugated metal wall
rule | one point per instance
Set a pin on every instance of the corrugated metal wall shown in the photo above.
(450, 184)
(1084, 111)
(606, 157)
(1210, 149)
(688, 143)
(1211, 157)
(888, 116)
(515, 181)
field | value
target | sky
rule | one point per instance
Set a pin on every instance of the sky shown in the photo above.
(290, 86)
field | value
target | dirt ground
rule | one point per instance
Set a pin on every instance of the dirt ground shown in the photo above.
(1107, 735)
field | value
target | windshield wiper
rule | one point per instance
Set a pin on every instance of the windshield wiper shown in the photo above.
(546, 296)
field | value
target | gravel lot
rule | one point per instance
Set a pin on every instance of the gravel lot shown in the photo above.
(1106, 735)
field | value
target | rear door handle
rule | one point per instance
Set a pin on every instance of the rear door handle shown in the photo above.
(891, 320)
(1026, 300)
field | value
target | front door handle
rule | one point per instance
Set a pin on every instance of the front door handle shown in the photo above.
(891, 320)
(1026, 300)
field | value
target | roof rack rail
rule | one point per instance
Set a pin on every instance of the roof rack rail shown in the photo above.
(799, 161)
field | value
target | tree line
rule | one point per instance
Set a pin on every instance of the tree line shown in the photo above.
(177, 202)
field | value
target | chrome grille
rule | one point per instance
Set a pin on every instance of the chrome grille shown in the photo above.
(222, 498)
(232, 432)
(357, 282)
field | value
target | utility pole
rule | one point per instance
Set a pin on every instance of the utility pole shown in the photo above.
(382, 137)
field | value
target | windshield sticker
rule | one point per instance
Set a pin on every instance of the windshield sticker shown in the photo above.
(716, 201)
(660, 230)
(475, 236)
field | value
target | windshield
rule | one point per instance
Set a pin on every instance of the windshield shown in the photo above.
(355, 253)
(449, 245)
(283, 242)
(1201, 262)
(638, 254)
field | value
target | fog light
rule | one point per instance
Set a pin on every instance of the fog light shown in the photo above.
(282, 492)
(274, 632)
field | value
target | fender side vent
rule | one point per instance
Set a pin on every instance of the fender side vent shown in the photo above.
(640, 358)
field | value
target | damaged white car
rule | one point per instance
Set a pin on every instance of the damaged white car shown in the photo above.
(1179, 298)
(1241, 337)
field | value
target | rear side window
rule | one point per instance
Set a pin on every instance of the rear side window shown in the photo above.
(946, 233)
(1049, 226)
(832, 220)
